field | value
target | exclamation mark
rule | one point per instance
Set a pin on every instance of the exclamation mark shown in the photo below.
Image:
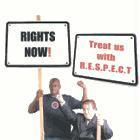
(49, 51)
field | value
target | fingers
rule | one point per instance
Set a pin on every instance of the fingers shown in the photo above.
(81, 84)
(59, 96)
(100, 120)
(39, 94)
(60, 99)
(40, 91)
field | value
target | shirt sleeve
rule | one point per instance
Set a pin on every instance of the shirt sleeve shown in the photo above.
(70, 115)
(107, 132)
(72, 102)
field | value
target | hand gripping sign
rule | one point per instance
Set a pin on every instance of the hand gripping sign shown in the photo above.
(108, 57)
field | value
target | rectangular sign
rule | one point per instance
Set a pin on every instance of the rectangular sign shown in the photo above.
(108, 57)
(37, 44)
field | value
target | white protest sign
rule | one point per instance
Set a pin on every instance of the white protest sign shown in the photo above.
(109, 57)
(33, 44)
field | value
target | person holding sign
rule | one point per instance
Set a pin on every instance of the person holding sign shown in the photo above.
(56, 126)
(85, 125)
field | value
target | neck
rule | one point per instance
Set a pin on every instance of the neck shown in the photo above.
(54, 95)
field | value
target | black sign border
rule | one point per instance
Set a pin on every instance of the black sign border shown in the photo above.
(36, 22)
(107, 80)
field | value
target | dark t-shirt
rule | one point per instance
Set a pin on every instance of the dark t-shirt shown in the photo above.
(83, 130)
(55, 123)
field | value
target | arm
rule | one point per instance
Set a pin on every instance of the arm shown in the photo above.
(74, 103)
(70, 115)
(34, 105)
(83, 86)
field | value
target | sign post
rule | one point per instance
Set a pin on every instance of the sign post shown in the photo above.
(38, 44)
(98, 132)
(41, 105)
(38, 18)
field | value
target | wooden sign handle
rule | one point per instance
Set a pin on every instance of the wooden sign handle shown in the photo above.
(98, 133)
(41, 98)
(41, 105)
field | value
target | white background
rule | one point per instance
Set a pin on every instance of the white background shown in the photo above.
(119, 103)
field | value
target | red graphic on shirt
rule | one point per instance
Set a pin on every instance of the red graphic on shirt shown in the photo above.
(54, 105)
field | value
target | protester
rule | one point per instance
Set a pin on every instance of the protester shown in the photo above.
(56, 126)
(85, 124)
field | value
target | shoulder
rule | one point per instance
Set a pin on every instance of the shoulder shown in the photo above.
(80, 118)
(72, 102)
(80, 115)
(67, 96)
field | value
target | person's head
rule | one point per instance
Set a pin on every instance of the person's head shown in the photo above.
(89, 108)
(54, 86)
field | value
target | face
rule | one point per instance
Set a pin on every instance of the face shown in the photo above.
(88, 111)
(55, 87)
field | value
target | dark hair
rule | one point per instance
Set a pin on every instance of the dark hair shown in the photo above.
(90, 101)
(54, 79)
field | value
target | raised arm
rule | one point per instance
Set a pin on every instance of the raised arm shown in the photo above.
(34, 105)
(83, 86)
